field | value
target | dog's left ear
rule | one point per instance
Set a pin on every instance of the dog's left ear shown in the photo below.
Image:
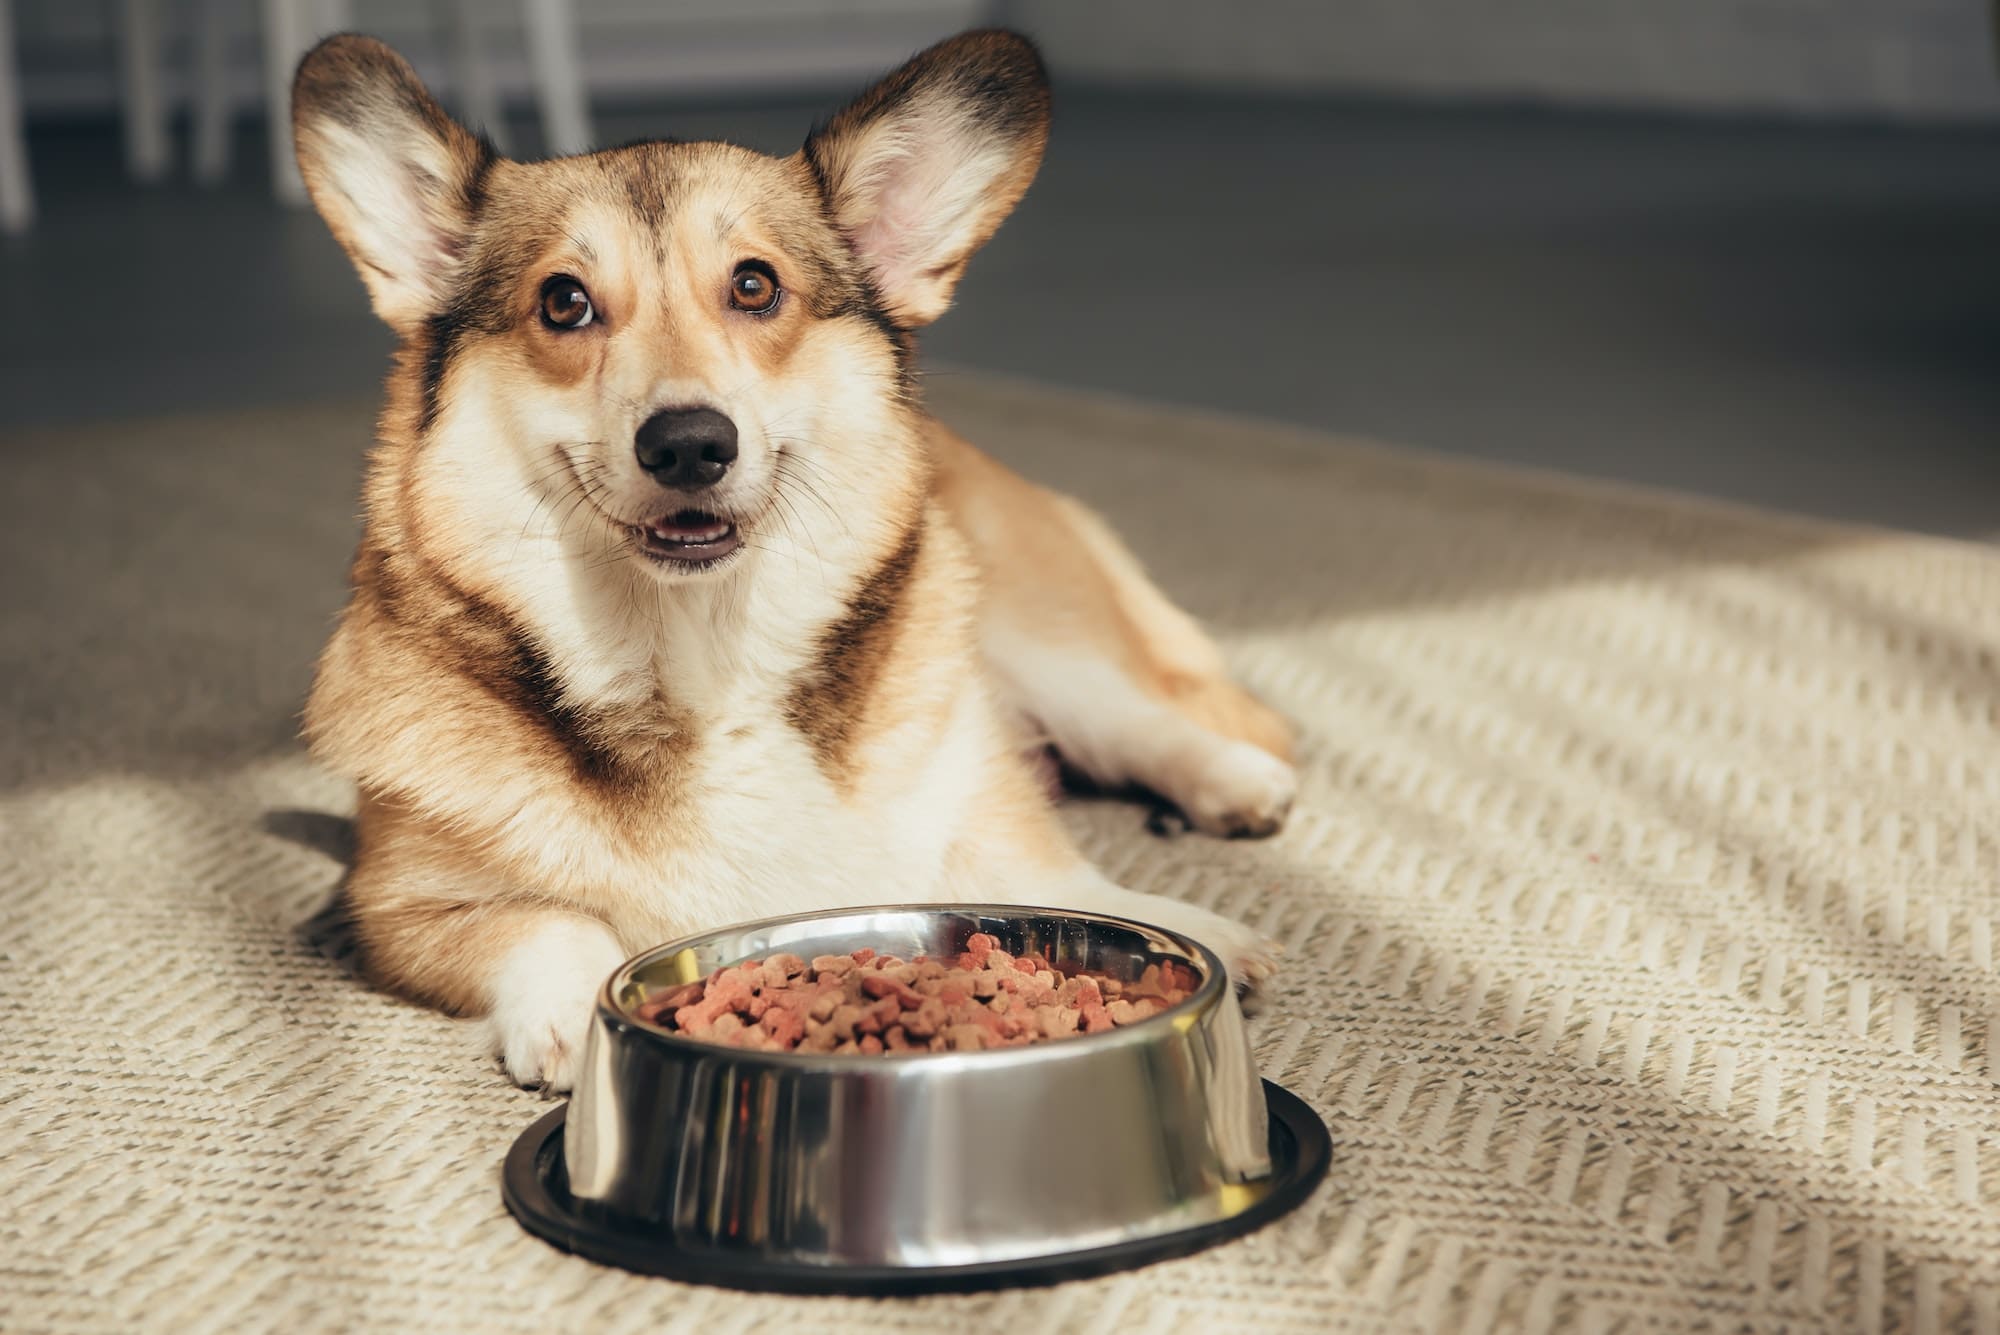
(920, 170)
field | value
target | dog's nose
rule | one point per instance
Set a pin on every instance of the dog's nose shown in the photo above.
(686, 447)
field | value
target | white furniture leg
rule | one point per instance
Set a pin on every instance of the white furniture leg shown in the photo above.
(147, 152)
(290, 29)
(17, 195)
(285, 41)
(558, 70)
(211, 90)
(478, 100)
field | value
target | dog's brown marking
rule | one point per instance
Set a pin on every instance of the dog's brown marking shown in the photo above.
(648, 747)
(834, 698)
(644, 169)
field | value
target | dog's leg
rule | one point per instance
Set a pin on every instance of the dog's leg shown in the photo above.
(1111, 729)
(1124, 683)
(530, 969)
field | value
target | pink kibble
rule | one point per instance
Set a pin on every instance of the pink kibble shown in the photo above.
(867, 1002)
(880, 985)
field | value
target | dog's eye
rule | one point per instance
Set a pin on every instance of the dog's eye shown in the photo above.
(565, 305)
(754, 288)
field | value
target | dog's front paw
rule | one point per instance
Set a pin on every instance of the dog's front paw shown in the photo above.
(1243, 791)
(1249, 955)
(543, 997)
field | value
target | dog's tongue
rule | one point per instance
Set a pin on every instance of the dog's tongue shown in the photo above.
(694, 527)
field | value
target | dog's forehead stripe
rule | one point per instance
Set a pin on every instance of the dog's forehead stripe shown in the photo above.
(647, 183)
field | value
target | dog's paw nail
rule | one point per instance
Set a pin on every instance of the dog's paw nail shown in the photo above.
(1256, 964)
(1250, 956)
(541, 1046)
(547, 1060)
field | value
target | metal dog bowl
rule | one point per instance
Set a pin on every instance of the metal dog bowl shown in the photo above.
(809, 1172)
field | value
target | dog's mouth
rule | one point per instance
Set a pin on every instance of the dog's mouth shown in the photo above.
(687, 537)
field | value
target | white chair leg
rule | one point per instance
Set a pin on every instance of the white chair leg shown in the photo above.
(147, 152)
(290, 29)
(17, 195)
(211, 90)
(558, 70)
(285, 41)
(478, 100)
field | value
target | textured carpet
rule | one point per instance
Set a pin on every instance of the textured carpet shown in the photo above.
(1639, 904)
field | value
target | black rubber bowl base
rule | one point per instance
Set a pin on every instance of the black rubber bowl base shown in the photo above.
(536, 1191)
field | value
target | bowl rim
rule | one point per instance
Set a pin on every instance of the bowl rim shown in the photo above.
(1201, 1002)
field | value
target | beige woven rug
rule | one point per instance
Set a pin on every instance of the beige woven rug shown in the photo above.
(1640, 909)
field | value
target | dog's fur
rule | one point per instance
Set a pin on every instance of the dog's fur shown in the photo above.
(567, 750)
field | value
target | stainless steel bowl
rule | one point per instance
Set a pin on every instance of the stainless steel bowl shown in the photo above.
(709, 1159)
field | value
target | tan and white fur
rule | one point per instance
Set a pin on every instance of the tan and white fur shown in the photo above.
(592, 703)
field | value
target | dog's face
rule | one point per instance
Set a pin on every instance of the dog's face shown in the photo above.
(692, 350)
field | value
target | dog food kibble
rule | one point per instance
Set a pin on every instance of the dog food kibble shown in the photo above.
(867, 1003)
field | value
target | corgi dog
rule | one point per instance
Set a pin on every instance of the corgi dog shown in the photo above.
(672, 607)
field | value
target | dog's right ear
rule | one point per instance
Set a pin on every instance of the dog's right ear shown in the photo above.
(396, 178)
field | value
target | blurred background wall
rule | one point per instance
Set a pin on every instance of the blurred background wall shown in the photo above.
(1899, 58)
(1902, 59)
(630, 48)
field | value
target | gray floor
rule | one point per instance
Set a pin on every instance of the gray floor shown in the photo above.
(1800, 317)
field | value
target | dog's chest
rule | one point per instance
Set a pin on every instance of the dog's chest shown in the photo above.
(746, 804)
(757, 825)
